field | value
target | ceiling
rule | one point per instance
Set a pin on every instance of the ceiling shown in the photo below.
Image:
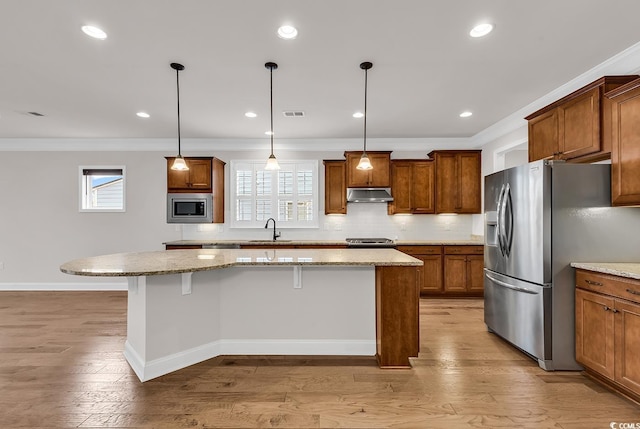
(426, 67)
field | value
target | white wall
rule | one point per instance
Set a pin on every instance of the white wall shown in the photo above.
(41, 226)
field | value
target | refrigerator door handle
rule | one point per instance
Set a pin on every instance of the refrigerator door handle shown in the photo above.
(499, 221)
(508, 219)
(507, 285)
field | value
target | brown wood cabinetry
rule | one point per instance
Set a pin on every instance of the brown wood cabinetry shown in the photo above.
(572, 128)
(625, 144)
(335, 189)
(205, 175)
(429, 275)
(463, 270)
(457, 180)
(378, 177)
(412, 187)
(459, 272)
(608, 329)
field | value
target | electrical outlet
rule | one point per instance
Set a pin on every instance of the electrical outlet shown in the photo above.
(337, 227)
(1, 265)
(403, 227)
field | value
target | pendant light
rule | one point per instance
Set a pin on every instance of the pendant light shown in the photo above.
(178, 163)
(365, 163)
(272, 162)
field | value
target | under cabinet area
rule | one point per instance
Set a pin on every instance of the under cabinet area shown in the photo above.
(573, 128)
(449, 270)
(607, 316)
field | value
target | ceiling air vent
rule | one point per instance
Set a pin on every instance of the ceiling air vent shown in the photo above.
(293, 113)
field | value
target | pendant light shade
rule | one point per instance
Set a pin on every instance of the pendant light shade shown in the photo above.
(272, 162)
(179, 163)
(365, 163)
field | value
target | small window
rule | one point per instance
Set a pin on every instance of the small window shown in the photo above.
(102, 189)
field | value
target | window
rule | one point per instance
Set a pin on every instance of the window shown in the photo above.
(289, 195)
(102, 189)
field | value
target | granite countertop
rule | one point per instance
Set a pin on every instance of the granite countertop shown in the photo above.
(478, 241)
(190, 260)
(623, 269)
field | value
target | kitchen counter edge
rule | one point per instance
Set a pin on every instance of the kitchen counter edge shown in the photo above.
(629, 270)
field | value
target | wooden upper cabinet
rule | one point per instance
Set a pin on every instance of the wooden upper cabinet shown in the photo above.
(196, 179)
(458, 181)
(205, 175)
(335, 189)
(412, 186)
(378, 177)
(624, 129)
(572, 127)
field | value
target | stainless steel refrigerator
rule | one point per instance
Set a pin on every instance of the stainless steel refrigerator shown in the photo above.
(539, 218)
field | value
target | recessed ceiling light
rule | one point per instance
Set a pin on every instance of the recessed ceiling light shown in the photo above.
(481, 30)
(358, 115)
(287, 32)
(465, 114)
(94, 32)
(251, 115)
(268, 133)
(143, 115)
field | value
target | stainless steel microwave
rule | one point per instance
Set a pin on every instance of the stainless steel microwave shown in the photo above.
(189, 208)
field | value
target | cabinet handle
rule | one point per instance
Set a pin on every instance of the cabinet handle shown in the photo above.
(606, 308)
(635, 292)
(594, 283)
(615, 311)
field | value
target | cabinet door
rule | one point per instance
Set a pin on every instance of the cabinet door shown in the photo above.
(469, 194)
(446, 183)
(475, 273)
(627, 345)
(455, 273)
(401, 187)
(431, 273)
(543, 136)
(356, 178)
(625, 147)
(380, 175)
(595, 332)
(196, 179)
(423, 187)
(579, 125)
(335, 192)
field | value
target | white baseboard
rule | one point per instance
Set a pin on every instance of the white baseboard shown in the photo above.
(95, 286)
(157, 367)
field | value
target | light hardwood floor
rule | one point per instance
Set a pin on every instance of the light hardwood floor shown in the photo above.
(61, 366)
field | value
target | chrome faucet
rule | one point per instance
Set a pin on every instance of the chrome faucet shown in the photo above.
(275, 234)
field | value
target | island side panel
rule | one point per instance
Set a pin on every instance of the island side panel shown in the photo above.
(332, 312)
(397, 316)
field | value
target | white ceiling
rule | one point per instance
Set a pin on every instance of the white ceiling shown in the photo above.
(426, 68)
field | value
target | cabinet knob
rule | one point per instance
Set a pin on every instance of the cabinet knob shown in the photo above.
(606, 308)
(615, 311)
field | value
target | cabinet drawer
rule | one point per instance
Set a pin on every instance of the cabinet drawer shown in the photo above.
(620, 287)
(464, 250)
(421, 250)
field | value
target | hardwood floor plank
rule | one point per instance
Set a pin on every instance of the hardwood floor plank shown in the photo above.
(62, 365)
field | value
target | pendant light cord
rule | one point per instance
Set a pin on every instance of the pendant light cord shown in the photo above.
(178, 92)
(365, 111)
(271, 104)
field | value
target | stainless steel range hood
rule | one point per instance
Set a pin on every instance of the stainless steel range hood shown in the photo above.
(369, 195)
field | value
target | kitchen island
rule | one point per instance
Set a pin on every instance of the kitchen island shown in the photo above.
(186, 306)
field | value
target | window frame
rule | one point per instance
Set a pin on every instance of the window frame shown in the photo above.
(82, 193)
(287, 165)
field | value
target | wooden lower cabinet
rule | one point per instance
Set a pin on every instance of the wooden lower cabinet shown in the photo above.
(459, 272)
(608, 330)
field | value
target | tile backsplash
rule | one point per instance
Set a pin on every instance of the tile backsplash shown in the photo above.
(362, 220)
